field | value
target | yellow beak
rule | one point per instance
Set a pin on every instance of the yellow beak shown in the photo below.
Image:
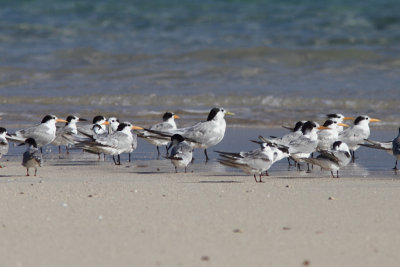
(374, 120)
(61, 120)
(229, 113)
(343, 124)
(323, 128)
(176, 116)
(134, 127)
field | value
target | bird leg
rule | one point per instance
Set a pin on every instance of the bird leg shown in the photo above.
(205, 153)
(119, 160)
(185, 169)
(261, 181)
(158, 151)
(66, 148)
(255, 178)
(35, 171)
(337, 174)
(129, 157)
(266, 173)
(114, 160)
(353, 156)
(395, 166)
(176, 169)
(59, 149)
(308, 168)
(333, 176)
(27, 171)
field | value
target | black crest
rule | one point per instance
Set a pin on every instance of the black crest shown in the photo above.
(328, 123)
(48, 118)
(213, 113)
(122, 126)
(167, 116)
(98, 118)
(359, 119)
(298, 125)
(336, 144)
(333, 115)
(2, 130)
(308, 126)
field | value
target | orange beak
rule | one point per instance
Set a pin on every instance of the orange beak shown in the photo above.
(105, 123)
(374, 120)
(176, 116)
(343, 124)
(323, 128)
(134, 127)
(348, 118)
(61, 120)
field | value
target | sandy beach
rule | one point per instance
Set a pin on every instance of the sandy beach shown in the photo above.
(75, 214)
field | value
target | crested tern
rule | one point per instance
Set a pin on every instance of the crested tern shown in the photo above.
(357, 133)
(3, 142)
(43, 133)
(65, 134)
(254, 162)
(206, 133)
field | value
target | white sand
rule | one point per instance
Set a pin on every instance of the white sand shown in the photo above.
(117, 216)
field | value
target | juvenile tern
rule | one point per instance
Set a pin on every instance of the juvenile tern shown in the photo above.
(357, 133)
(65, 134)
(332, 160)
(166, 125)
(31, 158)
(111, 144)
(44, 133)
(205, 134)
(181, 152)
(254, 162)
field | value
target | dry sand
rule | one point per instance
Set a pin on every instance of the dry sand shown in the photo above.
(105, 215)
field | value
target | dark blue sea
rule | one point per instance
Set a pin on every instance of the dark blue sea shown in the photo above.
(270, 62)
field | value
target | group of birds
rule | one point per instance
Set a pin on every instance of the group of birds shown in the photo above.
(335, 145)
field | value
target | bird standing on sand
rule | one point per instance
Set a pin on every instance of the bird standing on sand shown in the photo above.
(334, 159)
(254, 162)
(327, 138)
(43, 133)
(357, 133)
(181, 152)
(166, 125)
(32, 158)
(206, 133)
(65, 135)
(112, 144)
(396, 149)
(3, 142)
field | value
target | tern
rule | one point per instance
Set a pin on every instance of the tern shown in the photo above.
(332, 160)
(357, 133)
(396, 149)
(43, 133)
(254, 162)
(98, 126)
(3, 142)
(181, 152)
(327, 138)
(305, 144)
(205, 134)
(166, 125)
(65, 134)
(112, 144)
(31, 158)
(339, 118)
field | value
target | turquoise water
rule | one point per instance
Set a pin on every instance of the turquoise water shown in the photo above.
(268, 61)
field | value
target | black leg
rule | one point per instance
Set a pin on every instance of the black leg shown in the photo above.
(59, 149)
(337, 174)
(27, 171)
(114, 160)
(176, 169)
(66, 148)
(119, 160)
(255, 178)
(353, 156)
(333, 176)
(129, 157)
(185, 169)
(205, 153)
(266, 173)
(395, 166)
(35, 171)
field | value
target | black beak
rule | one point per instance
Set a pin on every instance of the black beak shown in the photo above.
(82, 119)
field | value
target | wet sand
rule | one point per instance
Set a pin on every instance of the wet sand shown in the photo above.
(97, 214)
